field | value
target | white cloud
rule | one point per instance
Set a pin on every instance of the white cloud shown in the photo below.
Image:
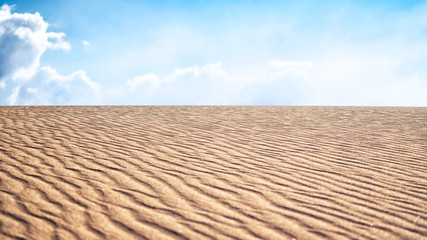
(212, 84)
(278, 69)
(211, 70)
(48, 87)
(86, 43)
(59, 42)
(283, 83)
(154, 80)
(23, 40)
(191, 85)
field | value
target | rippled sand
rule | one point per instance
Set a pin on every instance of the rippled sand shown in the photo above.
(213, 173)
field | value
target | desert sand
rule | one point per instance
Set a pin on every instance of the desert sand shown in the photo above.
(213, 173)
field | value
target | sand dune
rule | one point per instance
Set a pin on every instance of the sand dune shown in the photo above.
(213, 173)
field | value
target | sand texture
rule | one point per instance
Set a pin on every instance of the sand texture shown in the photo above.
(213, 173)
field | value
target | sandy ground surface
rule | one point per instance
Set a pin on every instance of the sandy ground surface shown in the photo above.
(213, 173)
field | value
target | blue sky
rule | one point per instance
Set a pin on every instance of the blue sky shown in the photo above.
(370, 53)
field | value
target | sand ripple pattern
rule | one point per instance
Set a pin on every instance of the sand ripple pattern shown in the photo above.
(213, 173)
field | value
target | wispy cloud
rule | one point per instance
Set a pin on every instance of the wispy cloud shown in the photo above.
(86, 43)
(280, 82)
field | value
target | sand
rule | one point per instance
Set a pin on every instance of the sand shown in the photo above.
(213, 173)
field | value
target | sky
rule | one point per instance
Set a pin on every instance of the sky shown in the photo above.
(129, 52)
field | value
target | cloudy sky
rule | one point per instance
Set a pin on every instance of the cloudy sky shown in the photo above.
(133, 52)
